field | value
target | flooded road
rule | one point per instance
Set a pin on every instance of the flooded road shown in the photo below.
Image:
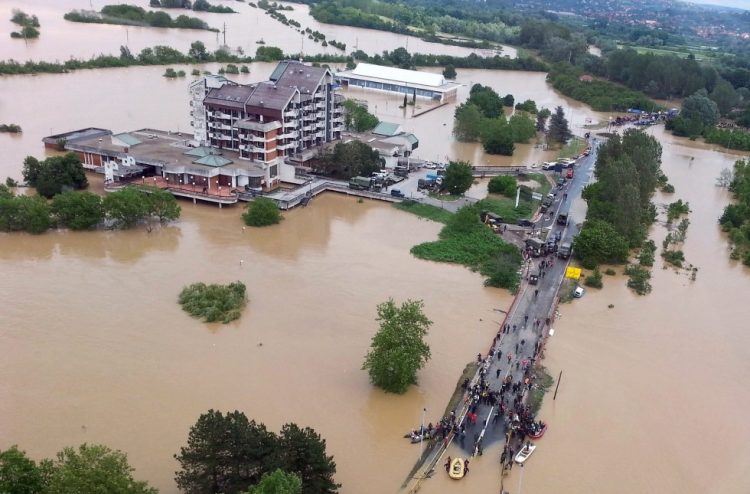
(93, 346)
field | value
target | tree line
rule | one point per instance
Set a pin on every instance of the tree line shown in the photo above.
(735, 220)
(619, 203)
(136, 16)
(225, 453)
(197, 5)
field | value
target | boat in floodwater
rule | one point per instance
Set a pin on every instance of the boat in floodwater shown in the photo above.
(525, 452)
(457, 469)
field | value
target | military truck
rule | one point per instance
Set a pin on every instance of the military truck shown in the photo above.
(360, 183)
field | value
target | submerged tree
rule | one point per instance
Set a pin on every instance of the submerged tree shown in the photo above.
(398, 349)
(558, 126)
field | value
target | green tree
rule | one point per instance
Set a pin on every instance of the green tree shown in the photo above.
(508, 100)
(268, 54)
(699, 107)
(357, 117)
(78, 210)
(558, 127)
(468, 123)
(93, 468)
(225, 454)
(598, 243)
(398, 349)
(163, 205)
(277, 482)
(503, 184)
(302, 452)
(522, 127)
(487, 100)
(449, 72)
(724, 96)
(126, 207)
(198, 51)
(262, 212)
(541, 119)
(24, 213)
(32, 167)
(497, 137)
(18, 473)
(458, 177)
(349, 159)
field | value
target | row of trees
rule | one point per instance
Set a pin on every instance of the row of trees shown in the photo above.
(619, 202)
(138, 16)
(400, 57)
(736, 217)
(81, 210)
(482, 118)
(225, 453)
(197, 5)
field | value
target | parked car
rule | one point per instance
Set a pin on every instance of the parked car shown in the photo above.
(397, 193)
(549, 165)
(525, 223)
(578, 292)
(533, 279)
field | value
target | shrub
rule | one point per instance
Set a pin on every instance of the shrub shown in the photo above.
(646, 256)
(78, 210)
(214, 302)
(503, 184)
(262, 212)
(594, 280)
(674, 257)
(638, 279)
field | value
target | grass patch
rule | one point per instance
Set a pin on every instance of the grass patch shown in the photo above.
(214, 303)
(638, 279)
(505, 207)
(610, 272)
(542, 383)
(567, 287)
(466, 241)
(469, 371)
(444, 197)
(424, 210)
(574, 147)
(544, 185)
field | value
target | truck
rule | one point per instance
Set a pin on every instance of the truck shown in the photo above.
(401, 171)
(535, 246)
(360, 183)
(562, 219)
(564, 250)
(546, 203)
(569, 174)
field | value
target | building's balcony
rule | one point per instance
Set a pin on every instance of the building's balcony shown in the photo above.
(290, 114)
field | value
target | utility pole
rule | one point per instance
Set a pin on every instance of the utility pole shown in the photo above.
(518, 195)
(225, 34)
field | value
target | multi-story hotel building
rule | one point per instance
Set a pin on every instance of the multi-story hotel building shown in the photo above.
(293, 111)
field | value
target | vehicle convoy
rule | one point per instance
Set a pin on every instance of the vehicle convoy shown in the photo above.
(360, 183)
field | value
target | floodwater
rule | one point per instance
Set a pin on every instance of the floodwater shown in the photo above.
(654, 391)
(93, 346)
(61, 39)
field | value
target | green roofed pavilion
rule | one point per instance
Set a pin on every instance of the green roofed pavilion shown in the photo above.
(199, 152)
(212, 160)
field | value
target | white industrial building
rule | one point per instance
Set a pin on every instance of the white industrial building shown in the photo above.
(395, 80)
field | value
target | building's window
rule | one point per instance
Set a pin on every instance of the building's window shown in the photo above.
(273, 171)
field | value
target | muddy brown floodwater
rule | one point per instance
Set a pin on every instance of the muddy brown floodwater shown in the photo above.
(93, 346)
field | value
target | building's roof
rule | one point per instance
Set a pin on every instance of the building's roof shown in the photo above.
(212, 160)
(230, 96)
(246, 123)
(399, 75)
(128, 139)
(411, 138)
(88, 133)
(296, 74)
(270, 95)
(387, 129)
(199, 152)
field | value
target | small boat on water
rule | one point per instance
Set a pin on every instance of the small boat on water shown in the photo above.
(456, 469)
(537, 430)
(525, 452)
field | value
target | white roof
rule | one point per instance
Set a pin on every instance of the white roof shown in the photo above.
(399, 75)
